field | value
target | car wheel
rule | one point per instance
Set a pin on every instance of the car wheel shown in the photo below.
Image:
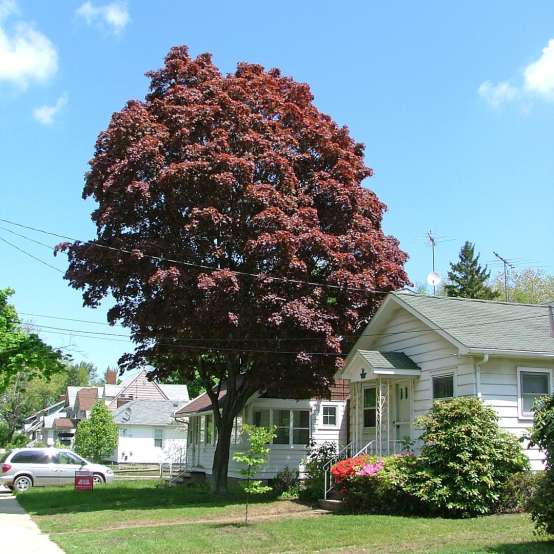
(23, 483)
(98, 479)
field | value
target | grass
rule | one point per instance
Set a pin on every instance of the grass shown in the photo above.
(190, 520)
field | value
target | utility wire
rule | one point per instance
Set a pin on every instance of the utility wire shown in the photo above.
(32, 256)
(201, 266)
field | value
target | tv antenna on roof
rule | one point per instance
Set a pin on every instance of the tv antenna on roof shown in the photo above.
(433, 278)
(507, 265)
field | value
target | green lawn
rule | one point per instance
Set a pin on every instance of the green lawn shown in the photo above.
(138, 517)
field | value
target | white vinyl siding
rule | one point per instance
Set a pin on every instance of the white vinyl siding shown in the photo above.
(280, 455)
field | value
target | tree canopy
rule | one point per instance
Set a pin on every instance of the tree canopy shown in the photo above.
(21, 350)
(221, 200)
(96, 437)
(527, 286)
(467, 278)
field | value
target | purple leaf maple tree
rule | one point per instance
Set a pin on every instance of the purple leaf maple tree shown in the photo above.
(234, 236)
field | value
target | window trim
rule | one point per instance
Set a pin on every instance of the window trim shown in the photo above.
(520, 413)
(336, 415)
(158, 436)
(364, 388)
(439, 376)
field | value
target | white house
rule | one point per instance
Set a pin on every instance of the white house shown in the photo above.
(148, 433)
(417, 349)
(297, 422)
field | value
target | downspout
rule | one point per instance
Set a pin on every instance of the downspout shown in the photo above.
(477, 367)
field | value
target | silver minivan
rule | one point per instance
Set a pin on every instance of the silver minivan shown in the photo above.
(24, 468)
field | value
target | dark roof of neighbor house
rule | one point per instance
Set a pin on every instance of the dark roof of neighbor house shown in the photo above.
(63, 423)
(388, 360)
(487, 324)
(146, 412)
(86, 398)
(201, 403)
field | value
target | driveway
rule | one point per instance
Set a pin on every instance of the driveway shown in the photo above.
(18, 532)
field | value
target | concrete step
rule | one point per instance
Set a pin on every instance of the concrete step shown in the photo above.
(331, 505)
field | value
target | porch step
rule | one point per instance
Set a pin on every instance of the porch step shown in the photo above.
(331, 505)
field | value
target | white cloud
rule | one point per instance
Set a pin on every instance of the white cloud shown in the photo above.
(26, 55)
(45, 114)
(115, 15)
(539, 75)
(497, 94)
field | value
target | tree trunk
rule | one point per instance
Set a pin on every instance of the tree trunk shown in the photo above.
(221, 456)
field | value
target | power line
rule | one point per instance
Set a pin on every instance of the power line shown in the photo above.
(202, 266)
(93, 334)
(32, 256)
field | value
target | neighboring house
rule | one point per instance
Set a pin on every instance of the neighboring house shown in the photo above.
(418, 349)
(297, 422)
(59, 422)
(148, 432)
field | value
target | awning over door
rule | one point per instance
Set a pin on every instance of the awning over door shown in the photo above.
(371, 364)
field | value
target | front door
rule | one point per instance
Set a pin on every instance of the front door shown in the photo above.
(403, 411)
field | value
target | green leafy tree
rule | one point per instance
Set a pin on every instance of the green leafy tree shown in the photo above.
(96, 437)
(21, 350)
(528, 286)
(467, 278)
(254, 458)
(541, 504)
(466, 459)
(81, 374)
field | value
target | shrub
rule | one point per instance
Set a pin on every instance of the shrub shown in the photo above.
(286, 483)
(466, 459)
(18, 440)
(541, 504)
(518, 490)
(318, 455)
(378, 486)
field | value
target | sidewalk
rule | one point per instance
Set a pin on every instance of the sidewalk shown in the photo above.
(18, 532)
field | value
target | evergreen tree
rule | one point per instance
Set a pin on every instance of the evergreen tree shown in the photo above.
(467, 278)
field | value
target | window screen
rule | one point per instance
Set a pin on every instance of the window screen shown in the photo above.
(300, 427)
(443, 387)
(329, 415)
(533, 385)
(281, 418)
(370, 407)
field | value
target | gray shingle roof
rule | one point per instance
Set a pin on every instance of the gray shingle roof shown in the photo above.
(388, 360)
(487, 325)
(146, 412)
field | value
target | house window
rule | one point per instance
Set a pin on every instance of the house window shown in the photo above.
(158, 438)
(443, 387)
(370, 407)
(329, 415)
(208, 437)
(260, 418)
(281, 419)
(300, 427)
(532, 385)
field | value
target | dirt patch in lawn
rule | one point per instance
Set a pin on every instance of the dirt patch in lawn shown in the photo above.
(258, 512)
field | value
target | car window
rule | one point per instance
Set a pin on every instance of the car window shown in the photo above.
(31, 457)
(67, 458)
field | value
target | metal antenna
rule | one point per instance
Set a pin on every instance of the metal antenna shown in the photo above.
(507, 265)
(433, 242)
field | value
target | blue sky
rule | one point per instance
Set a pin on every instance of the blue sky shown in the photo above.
(455, 103)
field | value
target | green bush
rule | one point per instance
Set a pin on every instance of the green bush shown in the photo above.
(318, 455)
(286, 483)
(385, 491)
(518, 490)
(541, 505)
(19, 440)
(466, 459)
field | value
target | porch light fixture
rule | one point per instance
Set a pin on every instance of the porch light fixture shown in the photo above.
(363, 374)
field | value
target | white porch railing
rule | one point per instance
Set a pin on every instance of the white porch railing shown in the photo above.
(351, 450)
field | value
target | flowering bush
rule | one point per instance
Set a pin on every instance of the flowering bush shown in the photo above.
(376, 485)
(349, 467)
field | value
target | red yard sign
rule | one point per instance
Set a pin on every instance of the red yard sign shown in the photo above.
(84, 481)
